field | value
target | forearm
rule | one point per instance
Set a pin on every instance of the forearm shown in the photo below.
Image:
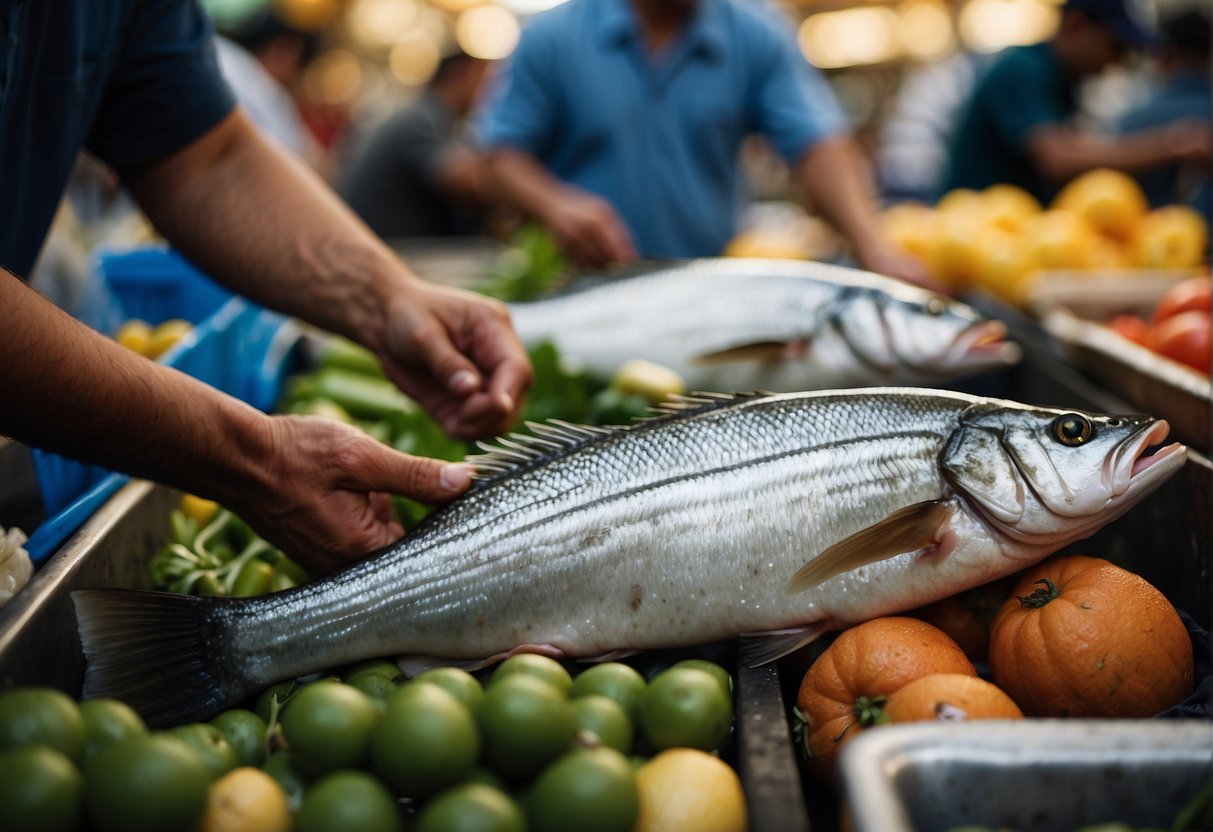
(73, 391)
(837, 187)
(265, 225)
(1060, 153)
(525, 184)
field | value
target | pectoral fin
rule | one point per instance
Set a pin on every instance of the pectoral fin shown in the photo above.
(920, 526)
(761, 648)
(764, 352)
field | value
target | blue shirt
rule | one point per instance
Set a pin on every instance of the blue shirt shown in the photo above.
(1023, 90)
(658, 137)
(130, 80)
(1184, 95)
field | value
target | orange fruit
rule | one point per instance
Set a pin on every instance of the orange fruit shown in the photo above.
(1171, 237)
(950, 697)
(843, 691)
(1059, 239)
(967, 616)
(1110, 200)
(1084, 637)
(1008, 207)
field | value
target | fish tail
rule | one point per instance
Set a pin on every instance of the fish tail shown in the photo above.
(162, 653)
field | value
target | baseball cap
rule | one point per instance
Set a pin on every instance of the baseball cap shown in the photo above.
(1122, 17)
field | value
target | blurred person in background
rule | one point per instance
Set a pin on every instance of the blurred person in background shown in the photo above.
(618, 125)
(1017, 125)
(263, 59)
(416, 175)
(137, 83)
(1182, 90)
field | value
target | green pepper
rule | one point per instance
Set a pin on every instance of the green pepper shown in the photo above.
(254, 579)
(344, 354)
(362, 397)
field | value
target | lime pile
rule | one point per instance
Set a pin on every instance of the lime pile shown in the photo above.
(526, 746)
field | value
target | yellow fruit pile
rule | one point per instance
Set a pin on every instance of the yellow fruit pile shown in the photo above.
(152, 341)
(1000, 238)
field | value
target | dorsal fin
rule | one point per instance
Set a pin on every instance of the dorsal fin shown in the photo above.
(517, 450)
(700, 401)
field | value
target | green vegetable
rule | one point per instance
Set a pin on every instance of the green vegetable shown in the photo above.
(344, 354)
(254, 578)
(363, 397)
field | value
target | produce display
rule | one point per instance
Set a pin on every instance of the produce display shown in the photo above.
(152, 341)
(733, 324)
(1179, 327)
(1002, 239)
(526, 746)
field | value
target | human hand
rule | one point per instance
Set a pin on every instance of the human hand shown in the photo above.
(456, 354)
(589, 230)
(884, 259)
(323, 488)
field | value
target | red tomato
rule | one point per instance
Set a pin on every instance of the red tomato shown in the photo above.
(1191, 294)
(1132, 327)
(1186, 337)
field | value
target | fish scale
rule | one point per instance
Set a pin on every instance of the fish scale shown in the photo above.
(770, 517)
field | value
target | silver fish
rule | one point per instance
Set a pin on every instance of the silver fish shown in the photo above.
(778, 325)
(773, 518)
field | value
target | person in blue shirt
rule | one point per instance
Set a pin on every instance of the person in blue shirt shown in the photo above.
(1182, 91)
(136, 83)
(618, 124)
(1017, 126)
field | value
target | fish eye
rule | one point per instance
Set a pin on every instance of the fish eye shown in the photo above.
(1072, 429)
(935, 306)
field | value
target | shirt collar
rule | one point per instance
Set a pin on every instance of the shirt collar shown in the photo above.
(705, 34)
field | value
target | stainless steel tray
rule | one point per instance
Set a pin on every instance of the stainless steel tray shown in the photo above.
(1026, 775)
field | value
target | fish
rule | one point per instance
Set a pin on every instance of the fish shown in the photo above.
(766, 518)
(733, 324)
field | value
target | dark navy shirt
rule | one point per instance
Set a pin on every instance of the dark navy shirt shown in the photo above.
(130, 80)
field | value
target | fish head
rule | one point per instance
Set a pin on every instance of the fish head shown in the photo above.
(1045, 477)
(921, 332)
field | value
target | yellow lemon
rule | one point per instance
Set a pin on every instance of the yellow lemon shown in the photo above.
(1008, 207)
(1110, 200)
(767, 244)
(911, 226)
(683, 788)
(955, 257)
(960, 202)
(135, 335)
(653, 381)
(166, 335)
(199, 508)
(246, 799)
(1007, 270)
(1172, 237)
(1060, 240)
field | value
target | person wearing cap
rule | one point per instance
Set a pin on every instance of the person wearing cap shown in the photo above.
(1017, 128)
(137, 83)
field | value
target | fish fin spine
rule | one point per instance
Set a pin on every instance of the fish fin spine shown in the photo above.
(763, 648)
(162, 653)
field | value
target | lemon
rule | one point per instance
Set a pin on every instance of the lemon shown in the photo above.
(246, 799)
(166, 335)
(644, 378)
(682, 788)
(135, 335)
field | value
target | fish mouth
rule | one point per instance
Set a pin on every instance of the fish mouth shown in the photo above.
(984, 343)
(1142, 459)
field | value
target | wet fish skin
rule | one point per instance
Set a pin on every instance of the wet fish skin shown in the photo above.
(778, 325)
(705, 524)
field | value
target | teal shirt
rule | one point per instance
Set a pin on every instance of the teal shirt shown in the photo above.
(1024, 89)
(660, 138)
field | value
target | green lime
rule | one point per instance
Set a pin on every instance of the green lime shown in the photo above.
(604, 719)
(472, 807)
(589, 789)
(40, 788)
(41, 716)
(465, 687)
(614, 680)
(425, 741)
(686, 708)
(722, 676)
(375, 686)
(245, 731)
(480, 774)
(532, 664)
(282, 768)
(349, 801)
(106, 721)
(524, 724)
(212, 746)
(147, 783)
(327, 726)
(380, 667)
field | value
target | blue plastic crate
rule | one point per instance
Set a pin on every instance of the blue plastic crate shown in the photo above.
(235, 346)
